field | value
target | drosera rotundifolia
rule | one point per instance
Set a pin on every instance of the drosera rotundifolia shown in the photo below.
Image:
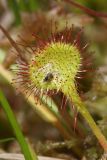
(55, 65)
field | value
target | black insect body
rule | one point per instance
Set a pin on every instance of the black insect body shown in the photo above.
(48, 77)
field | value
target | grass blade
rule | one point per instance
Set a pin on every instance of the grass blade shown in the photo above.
(27, 151)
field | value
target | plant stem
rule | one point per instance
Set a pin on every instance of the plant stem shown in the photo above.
(82, 109)
(26, 149)
(87, 10)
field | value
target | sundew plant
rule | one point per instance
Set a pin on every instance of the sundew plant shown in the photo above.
(55, 64)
